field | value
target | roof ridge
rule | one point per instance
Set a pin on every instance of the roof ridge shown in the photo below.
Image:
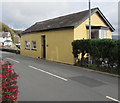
(65, 21)
(65, 15)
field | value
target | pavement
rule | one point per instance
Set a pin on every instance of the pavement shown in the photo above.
(42, 80)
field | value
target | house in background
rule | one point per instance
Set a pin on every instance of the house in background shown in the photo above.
(5, 39)
(51, 39)
(17, 40)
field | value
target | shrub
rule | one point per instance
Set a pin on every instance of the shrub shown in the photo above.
(8, 78)
(80, 46)
(104, 52)
(106, 49)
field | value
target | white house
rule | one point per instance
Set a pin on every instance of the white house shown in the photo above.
(5, 39)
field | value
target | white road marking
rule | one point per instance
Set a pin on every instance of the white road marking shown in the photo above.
(49, 73)
(13, 60)
(112, 99)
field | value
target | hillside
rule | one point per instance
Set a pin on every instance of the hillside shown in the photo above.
(5, 28)
(116, 36)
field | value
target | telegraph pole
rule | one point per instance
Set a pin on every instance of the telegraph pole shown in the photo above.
(89, 58)
(89, 19)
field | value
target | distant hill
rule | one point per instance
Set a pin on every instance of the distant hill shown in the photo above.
(6, 28)
(17, 31)
(116, 37)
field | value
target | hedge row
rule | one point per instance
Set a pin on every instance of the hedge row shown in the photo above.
(100, 50)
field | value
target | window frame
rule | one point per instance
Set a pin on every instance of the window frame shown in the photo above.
(103, 34)
(34, 45)
(27, 46)
(95, 32)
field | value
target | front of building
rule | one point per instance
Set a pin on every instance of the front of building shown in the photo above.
(51, 39)
(5, 39)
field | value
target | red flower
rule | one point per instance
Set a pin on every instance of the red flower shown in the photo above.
(7, 74)
(0, 75)
(15, 99)
(3, 76)
(0, 89)
(10, 70)
(9, 88)
(10, 66)
(4, 66)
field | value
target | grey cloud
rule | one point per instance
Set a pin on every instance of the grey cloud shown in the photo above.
(21, 15)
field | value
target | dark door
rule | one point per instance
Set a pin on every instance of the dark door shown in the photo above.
(44, 46)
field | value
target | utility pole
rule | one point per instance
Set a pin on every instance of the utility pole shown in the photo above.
(89, 19)
(89, 58)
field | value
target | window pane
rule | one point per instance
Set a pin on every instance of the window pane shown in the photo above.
(27, 44)
(103, 34)
(95, 34)
(34, 44)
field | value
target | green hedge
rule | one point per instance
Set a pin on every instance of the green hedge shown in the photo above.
(100, 50)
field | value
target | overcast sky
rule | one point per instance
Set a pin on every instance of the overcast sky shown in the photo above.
(24, 13)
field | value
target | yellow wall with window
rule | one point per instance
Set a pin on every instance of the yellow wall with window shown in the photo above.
(58, 42)
(29, 52)
(81, 32)
(58, 45)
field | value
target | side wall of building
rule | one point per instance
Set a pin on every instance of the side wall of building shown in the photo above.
(81, 32)
(58, 45)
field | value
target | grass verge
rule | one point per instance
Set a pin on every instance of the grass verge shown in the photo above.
(115, 71)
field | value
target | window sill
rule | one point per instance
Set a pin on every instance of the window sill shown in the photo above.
(27, 48)
(34, 49)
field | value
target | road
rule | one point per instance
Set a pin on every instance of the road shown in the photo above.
(41, 80)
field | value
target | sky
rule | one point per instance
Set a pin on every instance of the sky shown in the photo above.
(21, 14)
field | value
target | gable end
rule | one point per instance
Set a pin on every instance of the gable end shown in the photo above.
(101, 15)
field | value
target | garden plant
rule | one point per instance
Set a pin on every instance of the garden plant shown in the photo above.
(8, 83)
(104, 54)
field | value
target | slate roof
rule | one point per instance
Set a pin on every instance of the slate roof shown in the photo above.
(67, 21)
(4, 34)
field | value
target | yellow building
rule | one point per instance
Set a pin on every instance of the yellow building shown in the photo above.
(51, 39)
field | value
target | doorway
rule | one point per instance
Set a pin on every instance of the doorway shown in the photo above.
(43, 47)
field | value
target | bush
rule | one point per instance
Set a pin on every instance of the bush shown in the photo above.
(104, 49)
(80, 46)
(104, 52)
(8, 78)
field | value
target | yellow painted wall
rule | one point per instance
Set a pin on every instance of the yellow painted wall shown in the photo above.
(31, 37)
(81, 32)
(59, 42)
(59, 45)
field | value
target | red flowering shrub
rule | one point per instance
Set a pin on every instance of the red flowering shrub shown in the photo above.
(8, 79)
(2, 45)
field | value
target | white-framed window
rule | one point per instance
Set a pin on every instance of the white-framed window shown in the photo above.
(34, 45)
(103, 34)
(27, 44)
